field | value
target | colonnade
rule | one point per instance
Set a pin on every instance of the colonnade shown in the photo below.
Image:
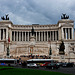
(39, 35)
(2, 34)
(67, 33)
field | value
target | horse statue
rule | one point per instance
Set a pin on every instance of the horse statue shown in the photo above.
(7, 18)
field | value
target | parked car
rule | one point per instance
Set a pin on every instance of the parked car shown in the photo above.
(32, 65)
(59, 64)
(44, 64)
(67, 64)
(52, 66)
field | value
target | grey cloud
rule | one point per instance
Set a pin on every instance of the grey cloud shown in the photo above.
(37, 11)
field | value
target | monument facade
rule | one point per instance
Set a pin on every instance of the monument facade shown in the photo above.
(17, 40)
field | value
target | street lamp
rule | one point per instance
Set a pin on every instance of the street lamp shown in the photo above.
(50, 50)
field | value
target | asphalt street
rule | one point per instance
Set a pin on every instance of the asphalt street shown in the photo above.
(66, 70)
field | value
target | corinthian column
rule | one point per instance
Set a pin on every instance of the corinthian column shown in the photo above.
(3, 34)
(28, 35)
(22, 36)
(25, 36)
(55, 35)
(39, 36)
(14, 35)
(72, 33)
(0, 34)
(17, 36)
(47, 35)
(36, 35)
(44, 36)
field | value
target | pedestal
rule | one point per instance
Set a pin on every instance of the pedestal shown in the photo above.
(31, 45)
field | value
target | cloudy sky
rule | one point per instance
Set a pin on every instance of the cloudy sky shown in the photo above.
(37, 11)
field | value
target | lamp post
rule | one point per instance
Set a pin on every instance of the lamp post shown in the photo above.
(8, 50)
(50, 50)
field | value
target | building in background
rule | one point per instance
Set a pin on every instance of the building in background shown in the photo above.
(17, 39)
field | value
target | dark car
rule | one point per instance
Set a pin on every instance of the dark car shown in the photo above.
(52, 66)
(59, 63)
(67, 64)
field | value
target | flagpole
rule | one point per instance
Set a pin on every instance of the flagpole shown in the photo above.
(8, 45)
(50, 51)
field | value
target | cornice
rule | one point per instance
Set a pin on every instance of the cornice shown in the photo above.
(65, 21)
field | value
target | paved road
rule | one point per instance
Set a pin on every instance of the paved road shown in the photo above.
(68, 70)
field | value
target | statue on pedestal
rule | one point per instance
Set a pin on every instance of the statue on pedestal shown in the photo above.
(32, 31)
(61, 48)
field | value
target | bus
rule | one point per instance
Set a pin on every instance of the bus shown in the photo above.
(48, 63)
(39, 60)
(9, 62)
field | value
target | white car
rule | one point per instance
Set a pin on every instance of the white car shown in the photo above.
(32, 65)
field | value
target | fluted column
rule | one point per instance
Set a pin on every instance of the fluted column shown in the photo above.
(14, 35)
(6, 34)
(10, 34)
(3, 34)
(44, 36)
(17, 36)
(72, 33)
(66, 33)
(36, 35)
(25, 36)
(47, 35)
(28, 36)
(62, 34)
(39, 36)
(50, 36)
(22, 36)
(55, 35)
(0, 34)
